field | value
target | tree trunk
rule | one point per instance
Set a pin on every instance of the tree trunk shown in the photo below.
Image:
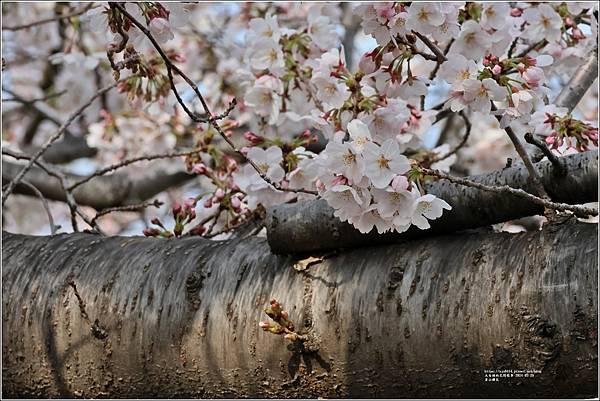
(311, 226)
(179, 318)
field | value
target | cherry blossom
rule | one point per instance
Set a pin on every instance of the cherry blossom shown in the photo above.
(383, 162)
(472, 42)
(427, 207)
(543, 23)
(457, 69)
(343, 159)
(479, 93)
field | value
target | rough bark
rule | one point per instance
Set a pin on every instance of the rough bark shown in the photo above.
(178, 318)
(311, 227)
(118, 189)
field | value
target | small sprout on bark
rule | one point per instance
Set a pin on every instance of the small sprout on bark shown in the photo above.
(281, 325)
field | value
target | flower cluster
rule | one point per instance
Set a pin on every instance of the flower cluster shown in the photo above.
(295, 87)
(281, 325)
(562, 131)
(183, 216)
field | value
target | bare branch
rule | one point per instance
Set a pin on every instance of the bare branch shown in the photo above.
(129, 208)
(461, 143)
(172, 67)
(555, 160)
(48, 20)
(53, 228)
(127, 162)
(52, 139)
(580, 211)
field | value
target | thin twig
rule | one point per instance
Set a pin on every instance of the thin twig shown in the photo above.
(555, 160)
(129, 208)
(62, 179)
(127, 162)
(531, 47)
(533, 175)
(580, 211)
(48, 20)
(440, 57)
(28, 102)
(39, 109)
(53, 228)
(53, 139)
(97, 330)
(461, 143)
(437, 66)
(172, 67)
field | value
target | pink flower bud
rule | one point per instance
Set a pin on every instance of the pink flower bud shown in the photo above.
(497, 69)
(199, 168)
(197, 230)
(245, 150)
(339, 180)
(176, 209)
(577, 34)
(568, 21)
(253, 138)
(550, 140)
(208, 203)
(367, 64)
(264, 325)
(516, 12)
(236, 202)
(284, 314)
(151, 232)
(400, 183)
(190, 203)
(219, 194)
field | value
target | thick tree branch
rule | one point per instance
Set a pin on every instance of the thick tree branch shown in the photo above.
(180, 317)
(571, 94)
(51, 140)
(118, 189)
(311, 226)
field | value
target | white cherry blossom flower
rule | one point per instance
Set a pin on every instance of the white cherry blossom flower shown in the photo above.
(479, 93)
(264, 97)
(343, 159)
(332, 92)
(495, 15)
(392, 202)
(263, 28)
(427, 207)
(371, 218)
(346, 201)
(543, 23)
(322, 32)
(266, 54)
(383, 162)
(456, 70)
(424, 17)
(305, 175)
(386, 122)
(472, 42)
(269, 161)
(161, 30)
(359, 133)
